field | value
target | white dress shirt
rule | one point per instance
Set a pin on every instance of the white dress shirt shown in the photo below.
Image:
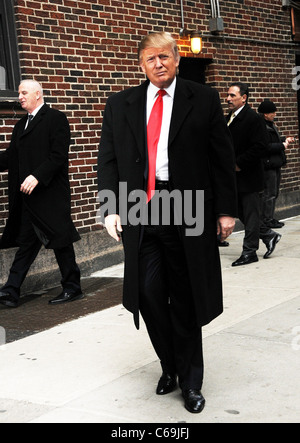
(238, 110)
(34, 113)
(162, 159)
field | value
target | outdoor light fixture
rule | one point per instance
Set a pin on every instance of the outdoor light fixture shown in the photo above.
(196, 42)
(196, 39)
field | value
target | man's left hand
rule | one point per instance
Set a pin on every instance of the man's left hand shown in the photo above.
(29, 184)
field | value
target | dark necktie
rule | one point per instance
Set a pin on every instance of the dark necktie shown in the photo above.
(153, 134)
(29, 119)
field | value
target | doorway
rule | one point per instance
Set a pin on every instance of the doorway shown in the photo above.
(193, 69)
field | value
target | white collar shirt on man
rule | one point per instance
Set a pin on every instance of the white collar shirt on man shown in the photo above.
(34, 113)
(238, 110)
(162, 160)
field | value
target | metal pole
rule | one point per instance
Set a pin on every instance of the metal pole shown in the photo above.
(182, 16)
(213, 8)
(218, 8)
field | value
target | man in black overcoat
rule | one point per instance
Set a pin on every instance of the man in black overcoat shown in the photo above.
(172, 270)
(250, 143)
(39, 196)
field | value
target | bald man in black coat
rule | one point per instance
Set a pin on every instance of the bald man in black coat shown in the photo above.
(39, 196)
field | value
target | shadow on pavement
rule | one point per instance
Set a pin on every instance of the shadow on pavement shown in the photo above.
(35, 314)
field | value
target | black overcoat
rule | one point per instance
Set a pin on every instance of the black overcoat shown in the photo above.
(200, 158)
(250, 143)
(42, 151)
(275, 156)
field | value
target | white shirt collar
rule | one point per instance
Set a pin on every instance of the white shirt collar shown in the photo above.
(153, 90)
(37, 110)
(238, 110)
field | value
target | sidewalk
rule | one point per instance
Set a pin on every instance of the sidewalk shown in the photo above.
(100, 369)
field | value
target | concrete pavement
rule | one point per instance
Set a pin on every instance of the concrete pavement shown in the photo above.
(99, 369)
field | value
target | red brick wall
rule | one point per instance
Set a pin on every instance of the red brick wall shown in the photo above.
(263, 58)
(82, 51)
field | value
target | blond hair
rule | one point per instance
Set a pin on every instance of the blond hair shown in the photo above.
(158, 40)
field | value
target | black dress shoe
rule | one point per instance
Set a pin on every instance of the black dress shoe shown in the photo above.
(65, 297)
(194, 400)
(166, 384)
(8, 300)
(271, 243)
(245, 260)
(223, 243)
(274, 224)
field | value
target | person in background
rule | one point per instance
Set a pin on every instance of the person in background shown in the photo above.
(250, 140)
(39, 196)
(273, 161)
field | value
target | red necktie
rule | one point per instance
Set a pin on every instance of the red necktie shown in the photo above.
(153, 133)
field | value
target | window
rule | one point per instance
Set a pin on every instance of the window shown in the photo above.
(9, 59)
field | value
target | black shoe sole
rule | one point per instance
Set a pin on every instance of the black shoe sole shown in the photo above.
(267, 255)
(167, 391)
(245, 263)
(60, 302)
(193, 411)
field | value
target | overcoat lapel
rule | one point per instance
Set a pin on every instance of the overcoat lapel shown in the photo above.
(182, 106)
(35, 121)
(22, 125)
(240, 115)
(136, 115)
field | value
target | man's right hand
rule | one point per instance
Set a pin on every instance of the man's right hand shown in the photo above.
(113, 226)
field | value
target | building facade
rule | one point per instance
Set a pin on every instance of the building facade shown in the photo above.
(81, 51)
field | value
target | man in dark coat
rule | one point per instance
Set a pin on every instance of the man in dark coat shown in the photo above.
(250, 140)
(172, 271)
(273, 161)
(39, 195)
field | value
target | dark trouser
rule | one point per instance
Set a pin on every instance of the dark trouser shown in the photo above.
(28, 250)
(249, 211)
(271, 190)
(167, 306)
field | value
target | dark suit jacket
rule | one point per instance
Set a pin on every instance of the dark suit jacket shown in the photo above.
(275, 157)
(250, 141)
(200, 157)
(42, 151)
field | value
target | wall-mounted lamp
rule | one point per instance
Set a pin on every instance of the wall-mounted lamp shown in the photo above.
(196, 39)
(196, 42)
